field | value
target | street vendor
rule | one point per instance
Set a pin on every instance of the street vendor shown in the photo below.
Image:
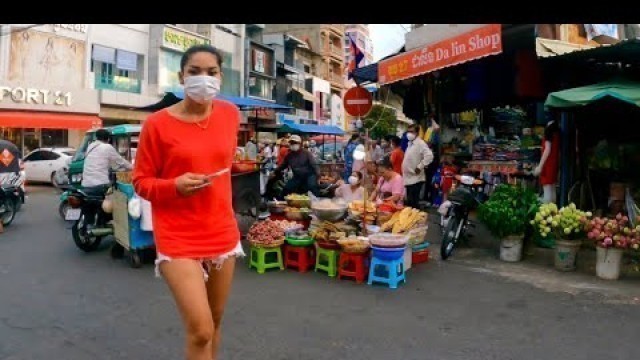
(304, 168)
(352, 190)
(390, 187)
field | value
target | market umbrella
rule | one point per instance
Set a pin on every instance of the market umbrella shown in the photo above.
(623, 90)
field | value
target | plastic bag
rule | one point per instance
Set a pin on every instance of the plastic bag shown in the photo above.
(146, 222)
(134, 207)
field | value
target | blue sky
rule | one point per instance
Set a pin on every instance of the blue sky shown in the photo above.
(387, 38)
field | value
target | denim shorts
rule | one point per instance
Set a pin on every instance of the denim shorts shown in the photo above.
(207, 263)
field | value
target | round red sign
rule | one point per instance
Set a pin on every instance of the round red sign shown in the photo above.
(358, 101)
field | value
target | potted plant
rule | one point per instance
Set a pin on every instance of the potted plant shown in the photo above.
(506, 214)
(568, 227)
(612, 237)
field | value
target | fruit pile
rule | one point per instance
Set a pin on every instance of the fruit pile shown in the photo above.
(567, 223)
(266, 233)
(616, 233)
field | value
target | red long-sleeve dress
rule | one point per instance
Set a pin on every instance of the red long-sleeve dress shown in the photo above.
(202, 225)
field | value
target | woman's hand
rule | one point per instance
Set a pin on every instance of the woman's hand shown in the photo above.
(188, 184)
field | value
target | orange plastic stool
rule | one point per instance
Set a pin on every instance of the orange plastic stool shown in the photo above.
(354, 265)
(301, 258)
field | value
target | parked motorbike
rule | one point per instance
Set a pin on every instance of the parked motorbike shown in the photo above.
(11, 197)
(460, 203)
(87, 236)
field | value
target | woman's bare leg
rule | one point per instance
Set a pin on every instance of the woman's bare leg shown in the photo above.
(186, 281)
(218, 288)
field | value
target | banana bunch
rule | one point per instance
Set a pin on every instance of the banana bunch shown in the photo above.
(404, 220)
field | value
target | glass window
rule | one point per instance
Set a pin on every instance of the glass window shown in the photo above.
(35, 156)
(54, 137)
(169, 68)
(261, 87)
(81, 151)
(122, 145)
(49, 155)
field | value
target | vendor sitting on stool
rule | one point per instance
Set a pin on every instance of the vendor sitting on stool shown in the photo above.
(304, 168)
(390, 187)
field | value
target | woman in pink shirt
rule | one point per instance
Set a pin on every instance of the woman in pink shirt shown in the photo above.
(390, 187)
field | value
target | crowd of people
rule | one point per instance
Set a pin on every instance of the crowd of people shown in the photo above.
(394, 170)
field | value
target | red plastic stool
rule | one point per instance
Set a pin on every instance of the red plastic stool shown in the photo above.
(301, 258)
(354, 265)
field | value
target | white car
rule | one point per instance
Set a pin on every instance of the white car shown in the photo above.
(41, 165)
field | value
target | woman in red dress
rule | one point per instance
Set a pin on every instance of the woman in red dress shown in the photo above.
(196, 234)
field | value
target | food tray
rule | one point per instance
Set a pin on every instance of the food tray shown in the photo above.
(328, 245)
(387, 240)
(298, 203)
(417, 235)
(331, 215)
(297, 215)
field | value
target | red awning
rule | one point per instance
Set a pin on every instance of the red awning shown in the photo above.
(43, 120)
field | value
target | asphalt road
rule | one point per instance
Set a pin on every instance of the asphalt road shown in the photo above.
(59, 303)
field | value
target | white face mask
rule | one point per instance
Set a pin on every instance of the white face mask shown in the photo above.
(411, 136)
(295, 147)
(201, 88)
(353, 180)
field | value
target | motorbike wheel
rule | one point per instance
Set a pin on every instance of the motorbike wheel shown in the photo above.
(135, 260)
(117, 251)
(62, 209)
(9, 212)
(83, 241)
(449, 239)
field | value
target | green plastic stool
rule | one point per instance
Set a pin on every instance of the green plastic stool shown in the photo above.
(261, 258)
(327, 261)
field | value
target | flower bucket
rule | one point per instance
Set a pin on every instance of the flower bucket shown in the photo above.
(511, 249)
(609, 263)
(566, 254)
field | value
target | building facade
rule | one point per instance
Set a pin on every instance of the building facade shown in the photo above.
(360, 33)
(59, 80)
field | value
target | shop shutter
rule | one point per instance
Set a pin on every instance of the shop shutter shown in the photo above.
(104, 54)
(126, 60)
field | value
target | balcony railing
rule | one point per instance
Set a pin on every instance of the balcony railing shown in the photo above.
(118, 83)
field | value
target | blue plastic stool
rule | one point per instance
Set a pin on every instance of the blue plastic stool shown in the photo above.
(392, 272)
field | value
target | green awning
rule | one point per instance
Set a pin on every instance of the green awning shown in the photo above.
(623, 90)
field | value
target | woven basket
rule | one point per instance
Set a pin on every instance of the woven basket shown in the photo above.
(356, 249)
(276, 244)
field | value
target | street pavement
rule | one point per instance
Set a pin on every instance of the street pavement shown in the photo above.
(59, 303)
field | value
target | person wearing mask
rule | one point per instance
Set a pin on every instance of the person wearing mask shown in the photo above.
(390, 188)
(304, 168)
(417, 157)
(348, 155)
(397, 155)
(352, 190)
(251, 149)
(376, 151)
(385, 145)
(181, 152)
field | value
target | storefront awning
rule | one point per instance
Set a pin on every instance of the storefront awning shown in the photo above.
(243, 103)
(623, 90)
(472, 45)
(294, 128)
(43, 120)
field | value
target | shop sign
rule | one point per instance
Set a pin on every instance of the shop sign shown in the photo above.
(259, 61)
(471, 45)
(16, 96)
(79, 28)
(180, 41)
(35, 96)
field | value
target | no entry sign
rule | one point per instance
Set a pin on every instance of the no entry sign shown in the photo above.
(358, 101)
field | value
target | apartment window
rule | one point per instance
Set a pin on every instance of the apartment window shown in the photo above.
(307, 69)
(261, 87)
(115, 69)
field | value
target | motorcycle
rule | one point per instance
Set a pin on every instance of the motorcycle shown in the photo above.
(87, 237)
(11, 197)
(456, 209)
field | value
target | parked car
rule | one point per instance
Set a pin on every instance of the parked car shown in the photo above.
(41, 165)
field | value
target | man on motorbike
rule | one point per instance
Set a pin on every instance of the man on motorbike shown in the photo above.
(101, 157)
(304, 168)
